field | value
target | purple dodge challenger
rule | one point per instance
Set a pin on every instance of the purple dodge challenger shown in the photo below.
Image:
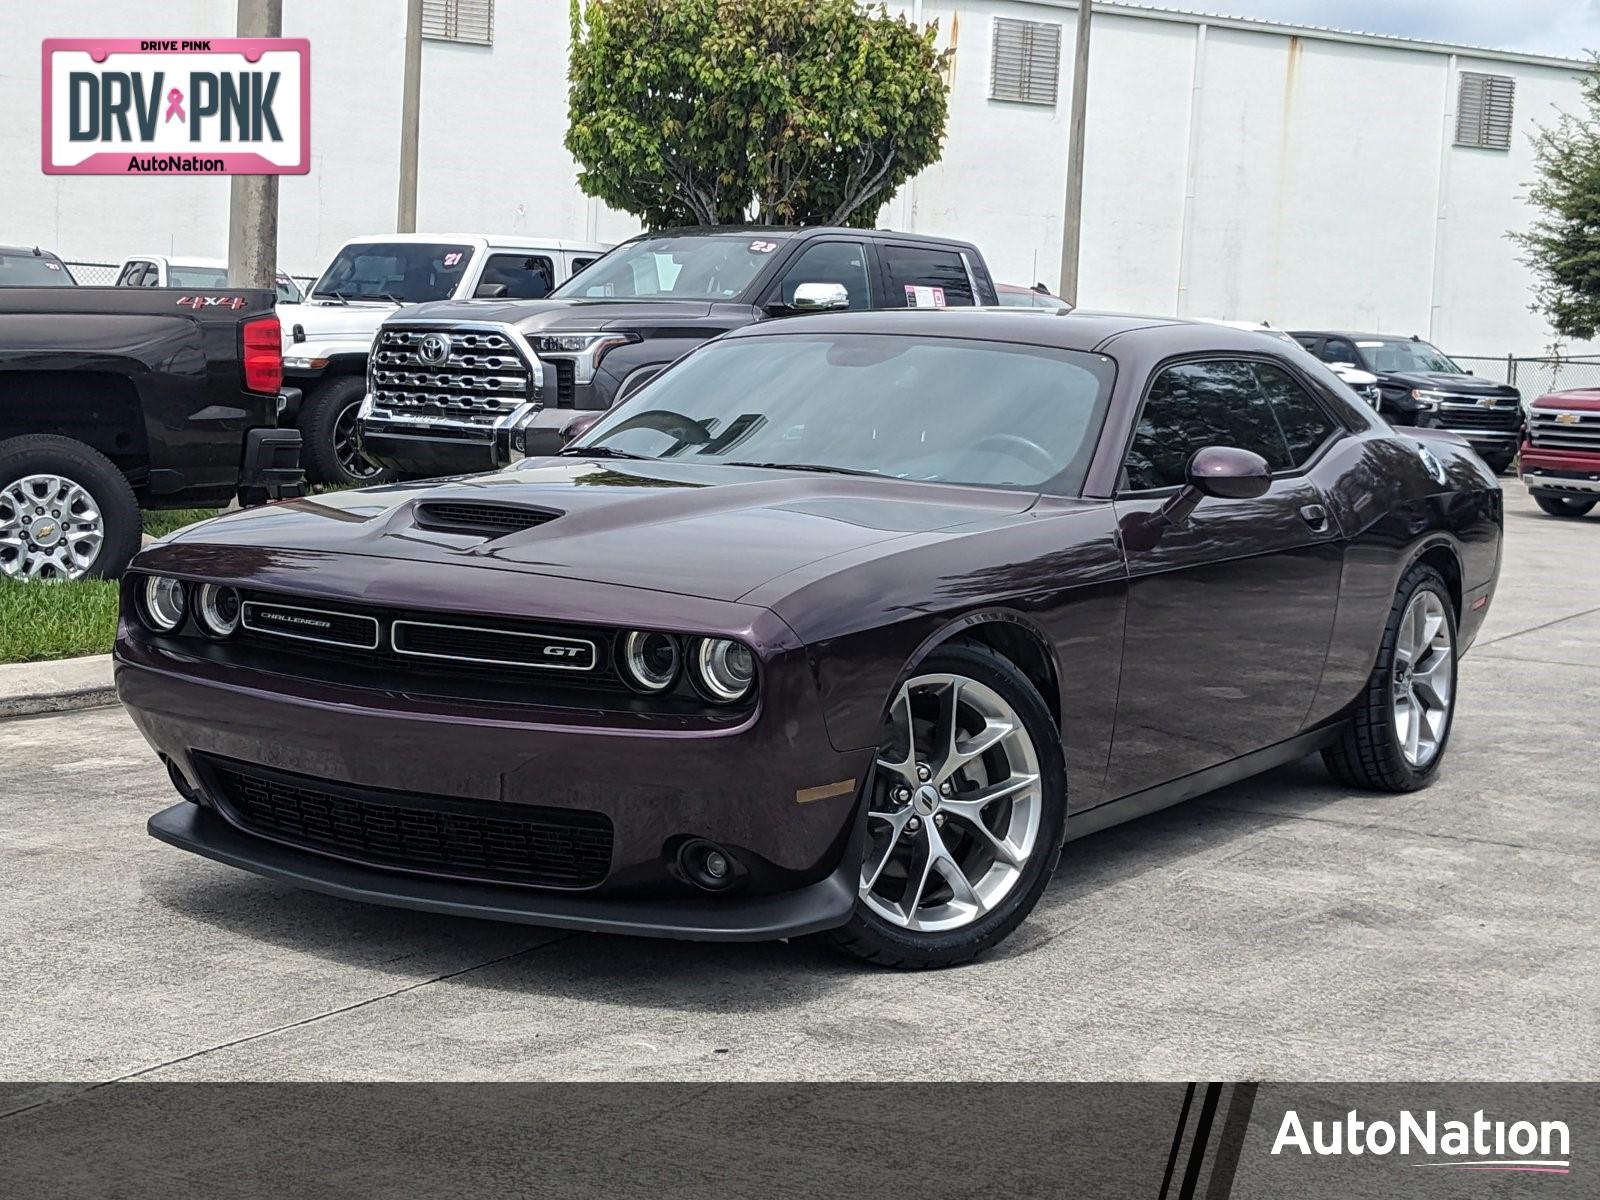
(842, 625)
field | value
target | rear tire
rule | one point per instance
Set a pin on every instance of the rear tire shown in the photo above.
(89, 519)
(960, 844)
(1415, 676)
(327, 416)
(1561, 506)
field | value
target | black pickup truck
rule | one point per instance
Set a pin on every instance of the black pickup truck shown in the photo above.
(468, 385)
(116, 399)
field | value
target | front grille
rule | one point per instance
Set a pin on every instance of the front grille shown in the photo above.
(490, 520)
(1564, 429)
(303, 624)
(1504, 417)
(506, 843)
(481, 378)
(497, 647)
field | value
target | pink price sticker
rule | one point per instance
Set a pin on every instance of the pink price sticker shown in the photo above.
(918, 296)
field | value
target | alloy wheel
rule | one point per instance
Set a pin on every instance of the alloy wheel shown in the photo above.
(956, 806)
(50, 528)
(347, 449)
(1424, 678)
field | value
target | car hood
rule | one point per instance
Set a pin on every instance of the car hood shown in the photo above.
(716, 532)
(542, 315)
(1578, 399)
(331, 322)
(1461, 385)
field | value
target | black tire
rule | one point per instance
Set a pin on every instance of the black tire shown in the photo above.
(869, 936)
(47, 454)
(1500, 463)
(1369, 754)
(1561, 506)
(321, 414)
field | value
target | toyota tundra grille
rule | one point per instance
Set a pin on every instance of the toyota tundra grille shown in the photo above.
(455, 374)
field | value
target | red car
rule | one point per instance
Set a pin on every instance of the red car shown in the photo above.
(1561, 453)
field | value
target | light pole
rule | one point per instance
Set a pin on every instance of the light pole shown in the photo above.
(1072, 221)
(410, 119)
(253, 199)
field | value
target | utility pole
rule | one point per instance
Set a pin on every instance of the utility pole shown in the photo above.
(410, 119)
(253, 199)
(1072, 221)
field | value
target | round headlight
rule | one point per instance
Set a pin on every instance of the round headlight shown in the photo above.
(165, 603)
(650, 660)
(218, 609)
(725, 671)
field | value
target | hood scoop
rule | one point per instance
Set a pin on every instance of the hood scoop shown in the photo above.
(479, 518)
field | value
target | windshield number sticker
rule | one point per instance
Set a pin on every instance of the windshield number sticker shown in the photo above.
(763, 247)
(452, 258)
(924, 297)
(53, 266)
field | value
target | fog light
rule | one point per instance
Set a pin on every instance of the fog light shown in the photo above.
(165, 603)
(707, 865)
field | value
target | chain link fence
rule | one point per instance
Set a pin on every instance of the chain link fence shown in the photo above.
(102, 274)
(1534, 377)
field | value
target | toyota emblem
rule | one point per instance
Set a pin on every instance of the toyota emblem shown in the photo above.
(434, 349)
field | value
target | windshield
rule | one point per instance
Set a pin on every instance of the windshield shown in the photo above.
(197, 277)
(33, 270)
(400, 272)
(711, 267)
(928, 408)
(1394, 355)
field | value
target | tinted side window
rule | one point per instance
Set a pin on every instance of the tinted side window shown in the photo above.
(579, 264)
(1304, 424)
(925, 277)
(831, 262)
(525, 276)
(129, 270)
(1193, 405)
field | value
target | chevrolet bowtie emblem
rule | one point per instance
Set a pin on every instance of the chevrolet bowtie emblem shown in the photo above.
(1567, 418)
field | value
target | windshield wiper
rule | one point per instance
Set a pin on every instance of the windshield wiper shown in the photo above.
(599, 452)
(819, 468)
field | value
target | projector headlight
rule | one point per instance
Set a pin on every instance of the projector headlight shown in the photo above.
(164, 603)
(724, 671)
(218, 609)
(650, 660)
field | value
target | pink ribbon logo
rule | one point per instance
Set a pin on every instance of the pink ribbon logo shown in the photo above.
(175, 105)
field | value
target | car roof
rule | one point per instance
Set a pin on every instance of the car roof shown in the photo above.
(29, 250)
(1354, 335)
(784, 232)
(514, 240)
(1079, 330)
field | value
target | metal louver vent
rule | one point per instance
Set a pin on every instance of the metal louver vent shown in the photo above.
(1483, 110)
(1025, 64)
(459, 21)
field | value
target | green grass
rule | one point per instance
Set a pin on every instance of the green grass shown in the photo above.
(159, 524)
(40, 621)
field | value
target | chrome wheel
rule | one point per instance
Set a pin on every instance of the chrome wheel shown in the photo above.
(1424, 678)
(50, 528)
(347, 449)
(956, 806)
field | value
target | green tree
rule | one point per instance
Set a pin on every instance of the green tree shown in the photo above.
(1562, 245)
(701, 112)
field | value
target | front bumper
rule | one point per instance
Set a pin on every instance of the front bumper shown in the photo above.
(822, 905)
(1549, 482)
(771, 790)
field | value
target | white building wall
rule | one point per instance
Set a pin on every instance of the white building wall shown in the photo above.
(1233, 169)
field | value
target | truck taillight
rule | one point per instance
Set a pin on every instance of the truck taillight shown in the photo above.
(263, 355)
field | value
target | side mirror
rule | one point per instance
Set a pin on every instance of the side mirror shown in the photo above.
(490, 291)
(1221, 472)
(580, 425)
(820, 297)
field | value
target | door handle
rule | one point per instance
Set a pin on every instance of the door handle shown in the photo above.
(1315, 516)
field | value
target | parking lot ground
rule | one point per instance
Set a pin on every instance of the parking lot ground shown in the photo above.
(1283, 928)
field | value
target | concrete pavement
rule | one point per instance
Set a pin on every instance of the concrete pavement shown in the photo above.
(1283, 928)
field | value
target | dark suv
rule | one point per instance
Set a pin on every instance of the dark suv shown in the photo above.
(459, 386)
(1420, 385)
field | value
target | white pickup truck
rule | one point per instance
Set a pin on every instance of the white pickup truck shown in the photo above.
(327, 338)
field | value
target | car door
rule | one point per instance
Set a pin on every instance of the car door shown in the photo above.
(1229, 613)
(829, 260)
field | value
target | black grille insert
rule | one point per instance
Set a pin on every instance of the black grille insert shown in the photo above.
(488, 520)
(463, 839)
(472, 643)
